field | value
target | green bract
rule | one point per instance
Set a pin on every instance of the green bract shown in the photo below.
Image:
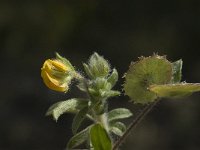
(177, 71)
(145, 72)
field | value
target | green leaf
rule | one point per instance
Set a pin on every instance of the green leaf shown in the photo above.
(175, 90)
(113, 78)
(177, 71)
(68, 106)
(110, 93)
(79, 138)
(99, 138)
(118, 128)
(119, 113)
(147, 71)
(78, 119)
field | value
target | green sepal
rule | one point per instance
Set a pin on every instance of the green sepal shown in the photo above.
(82, 86)
(177, 71)
(69, 106)
(78, 138)
(113, 78)
(119, 113)
(87, 70)
(175, 90)
(78, 119)
(99, 138)
(65, 61)
(147, 71)
(60, 75)
(118, 128)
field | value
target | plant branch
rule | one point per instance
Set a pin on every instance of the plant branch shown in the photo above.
(134, 123)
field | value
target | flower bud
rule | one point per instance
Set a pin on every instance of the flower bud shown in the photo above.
(97, 67)
(57, 74)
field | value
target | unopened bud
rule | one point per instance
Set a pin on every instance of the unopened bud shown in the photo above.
(57, 74)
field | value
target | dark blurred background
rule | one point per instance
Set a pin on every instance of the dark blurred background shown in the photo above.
(121, 31)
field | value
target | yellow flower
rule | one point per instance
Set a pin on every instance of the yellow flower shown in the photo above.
(56, 75)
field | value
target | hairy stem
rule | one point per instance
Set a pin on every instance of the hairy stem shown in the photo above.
(134, 123)
(103, 120)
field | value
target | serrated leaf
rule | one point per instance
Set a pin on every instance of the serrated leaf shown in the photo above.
(78, 119)
(147, 71)
(68, 106)
(177, 71)
(119, 113)
(99, 138)
(113, 78)
(175, 90)
(118, 128)
(78, 139)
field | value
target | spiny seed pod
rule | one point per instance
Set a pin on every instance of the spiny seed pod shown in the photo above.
(145, 72)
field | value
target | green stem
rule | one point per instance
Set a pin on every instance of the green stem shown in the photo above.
(135, 122)
(99, 111)
(100, 118)
(103, 120)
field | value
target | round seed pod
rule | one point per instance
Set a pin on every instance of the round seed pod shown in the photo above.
(143, 73)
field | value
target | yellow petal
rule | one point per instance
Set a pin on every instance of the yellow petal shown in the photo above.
(53, 83)
(47, 66)
(59, 65)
